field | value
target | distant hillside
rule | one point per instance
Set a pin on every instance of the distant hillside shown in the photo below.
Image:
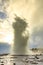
(37, 50)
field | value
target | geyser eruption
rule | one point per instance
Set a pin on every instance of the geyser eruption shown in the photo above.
(20, 40)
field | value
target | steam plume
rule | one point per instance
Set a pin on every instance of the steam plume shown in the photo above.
(20, 41)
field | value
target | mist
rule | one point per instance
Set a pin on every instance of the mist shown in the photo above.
(32, 12)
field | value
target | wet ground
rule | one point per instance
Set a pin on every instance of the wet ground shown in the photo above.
(28, 59)
(22, 60)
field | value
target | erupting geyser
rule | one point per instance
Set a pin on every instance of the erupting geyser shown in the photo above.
(20, 41)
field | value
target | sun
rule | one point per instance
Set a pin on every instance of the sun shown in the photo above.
(9, 39)
(6, 38)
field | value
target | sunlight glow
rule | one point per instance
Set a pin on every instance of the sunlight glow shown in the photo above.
(6, 33)
(8, 39)
(21, 9)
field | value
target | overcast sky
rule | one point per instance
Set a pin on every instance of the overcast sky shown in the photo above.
(31, 10)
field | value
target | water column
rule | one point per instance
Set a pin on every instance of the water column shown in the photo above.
(20, 41)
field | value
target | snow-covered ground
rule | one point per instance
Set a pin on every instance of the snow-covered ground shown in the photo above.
(22, 60)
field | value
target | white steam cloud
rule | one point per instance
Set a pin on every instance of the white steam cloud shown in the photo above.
(31, 10)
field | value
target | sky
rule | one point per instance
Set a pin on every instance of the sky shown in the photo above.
(31, 10)
(4, 47)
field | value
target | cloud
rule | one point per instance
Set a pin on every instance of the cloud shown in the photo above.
(32, 11)
(37, 21)
(36, 39)
(6, 32)
(3, 15)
